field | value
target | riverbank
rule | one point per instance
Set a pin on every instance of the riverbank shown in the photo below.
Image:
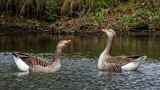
(11, 25)
(128, 17)
(12, 29)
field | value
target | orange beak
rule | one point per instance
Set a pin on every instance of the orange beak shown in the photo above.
(104, 30)
(68, 41)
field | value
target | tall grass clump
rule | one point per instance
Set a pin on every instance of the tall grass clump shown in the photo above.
(29, 8)
(32, 8)
(74, 8)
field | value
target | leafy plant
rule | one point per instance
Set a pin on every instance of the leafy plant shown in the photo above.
(21, 18)
(98, 17)
(126, 21)
(98, 4)
(154, 20)
(127, 6)
(51, 10)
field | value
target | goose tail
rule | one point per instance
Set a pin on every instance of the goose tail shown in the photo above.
(140, 59)
(20, 63)
(135, 64)
(14, 55)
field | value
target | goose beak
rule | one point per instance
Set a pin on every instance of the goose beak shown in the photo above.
(104, 30)
(68, 41)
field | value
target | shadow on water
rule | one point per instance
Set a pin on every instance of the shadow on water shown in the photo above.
(79, 63)
(108, 73)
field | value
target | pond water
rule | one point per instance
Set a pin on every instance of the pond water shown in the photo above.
(79, 63)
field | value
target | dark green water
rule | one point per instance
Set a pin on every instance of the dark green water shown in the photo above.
(79, 63)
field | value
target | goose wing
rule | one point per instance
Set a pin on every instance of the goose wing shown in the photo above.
(115, 63)
(31, 60)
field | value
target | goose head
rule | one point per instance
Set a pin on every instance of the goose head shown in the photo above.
(63, 44)
(109, 32)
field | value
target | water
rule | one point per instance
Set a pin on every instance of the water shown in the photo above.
(79, 63)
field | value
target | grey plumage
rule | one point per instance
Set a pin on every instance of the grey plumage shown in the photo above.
(37, 65)
(108, 63)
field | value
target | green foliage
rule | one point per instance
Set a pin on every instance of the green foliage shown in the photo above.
(98, 17)
(154, 20)
(127, 6)
(51, 10)
(147, 17)
(135, 23)
(98, 4)
(128, 22)
(127, 19)
(21, 18)
(142, 15)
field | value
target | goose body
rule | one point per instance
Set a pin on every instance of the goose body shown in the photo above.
(35, 64)
(108, 63)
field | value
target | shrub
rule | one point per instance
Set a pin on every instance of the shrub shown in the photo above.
(98, 17)
(51, 10)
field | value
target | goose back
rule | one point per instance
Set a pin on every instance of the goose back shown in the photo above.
(31, 60)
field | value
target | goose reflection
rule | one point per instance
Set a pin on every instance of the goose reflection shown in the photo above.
(109, 73)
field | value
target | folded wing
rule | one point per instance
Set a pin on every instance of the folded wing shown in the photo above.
(115, 63)
(31, 60)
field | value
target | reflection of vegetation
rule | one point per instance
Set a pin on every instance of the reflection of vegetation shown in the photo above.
(116, 14)
(81, 46)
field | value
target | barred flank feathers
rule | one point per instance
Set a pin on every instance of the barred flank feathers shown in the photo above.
(112, 67)
(31, 60)
(115, 63)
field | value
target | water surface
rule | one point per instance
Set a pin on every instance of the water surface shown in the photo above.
(79, 63)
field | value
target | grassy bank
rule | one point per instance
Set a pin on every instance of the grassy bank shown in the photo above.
(81, 15)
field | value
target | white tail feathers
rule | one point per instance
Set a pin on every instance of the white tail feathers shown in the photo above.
(20, 64)
(135, 64)
(139, 60)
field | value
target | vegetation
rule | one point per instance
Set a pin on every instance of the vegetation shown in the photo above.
(124, 15)
(141, 14)
(51, 10)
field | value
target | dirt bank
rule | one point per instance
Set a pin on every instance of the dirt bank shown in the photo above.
(64, 26)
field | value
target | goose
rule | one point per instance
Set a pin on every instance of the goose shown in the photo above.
(35, 64)
(107, 62)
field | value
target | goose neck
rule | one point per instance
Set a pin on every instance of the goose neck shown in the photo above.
(109, 45)
(56, 56)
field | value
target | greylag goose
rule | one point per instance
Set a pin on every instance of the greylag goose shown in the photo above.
(108, 63)
(35, 64)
